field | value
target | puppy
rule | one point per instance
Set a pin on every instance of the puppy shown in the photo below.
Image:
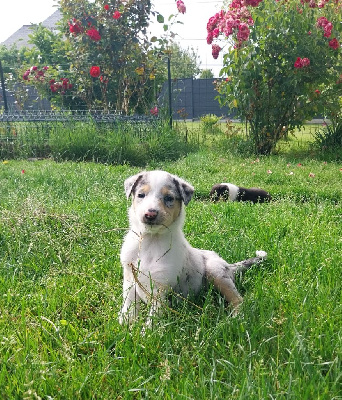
(228, 191)
(155, 255)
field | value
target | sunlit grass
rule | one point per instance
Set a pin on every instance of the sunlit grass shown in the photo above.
(61, 229)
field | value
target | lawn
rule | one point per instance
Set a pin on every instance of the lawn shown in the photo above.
(61, 229)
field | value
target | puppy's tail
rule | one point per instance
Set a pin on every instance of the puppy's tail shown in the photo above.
(246, 264)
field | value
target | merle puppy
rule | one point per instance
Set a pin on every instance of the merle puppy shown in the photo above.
(156, 257)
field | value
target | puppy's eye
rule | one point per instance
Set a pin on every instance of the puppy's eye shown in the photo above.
(141, 195)
(168, 199)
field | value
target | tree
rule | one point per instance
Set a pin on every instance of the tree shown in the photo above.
(110, 36)
(206, 74)
(12, 61)
(184, 62)
(282, 65)
(102, 58)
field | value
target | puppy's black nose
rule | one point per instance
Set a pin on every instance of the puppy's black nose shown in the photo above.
(151, 215)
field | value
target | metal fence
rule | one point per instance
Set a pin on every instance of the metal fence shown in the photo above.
(30, 133)
(194, 98)
(67, 116)
(191, 98)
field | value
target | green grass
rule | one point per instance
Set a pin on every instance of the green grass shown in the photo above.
(61, 229)
(130, 141)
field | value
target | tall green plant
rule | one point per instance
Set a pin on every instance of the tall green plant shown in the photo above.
(282, 64)
(103, 58)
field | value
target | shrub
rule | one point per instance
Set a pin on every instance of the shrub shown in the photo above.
(282, 65)
(135, 143)
(329, 137)
(209, 123)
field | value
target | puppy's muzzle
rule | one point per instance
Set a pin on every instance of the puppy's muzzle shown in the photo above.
(150, 216)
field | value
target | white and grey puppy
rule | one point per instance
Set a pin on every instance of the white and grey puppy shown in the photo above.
(229, 191)
(155, 255)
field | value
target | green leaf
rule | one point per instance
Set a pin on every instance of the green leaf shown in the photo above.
(165, 27)
(160, 18)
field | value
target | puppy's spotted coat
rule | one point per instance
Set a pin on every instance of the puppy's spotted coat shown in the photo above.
(155, 255)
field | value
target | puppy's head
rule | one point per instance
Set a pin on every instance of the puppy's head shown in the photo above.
(219, 191)
(157, 198)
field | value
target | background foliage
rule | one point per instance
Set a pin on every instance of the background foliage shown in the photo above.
(263, 82)
(132, 66)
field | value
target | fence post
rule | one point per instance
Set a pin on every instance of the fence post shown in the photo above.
(169, 86)
(192, 100)
(3, 87)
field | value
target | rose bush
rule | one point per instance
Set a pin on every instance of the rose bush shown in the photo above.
(105, 40)
(282, 64)
(103, 36)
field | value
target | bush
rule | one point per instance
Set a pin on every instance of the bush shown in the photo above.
(209, 123)
(113, 143)
(282, 65)
(329, 137)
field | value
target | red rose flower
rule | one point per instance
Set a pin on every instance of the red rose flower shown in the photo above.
(106, 7)
(26, 75)
(301, 62)
(215, 50)
(65, 82)
(75, 28)
(154, 111)
(305, 62)
(333, 43)
(298, 63)
(95, 71)
(116, 15)
(94, 34)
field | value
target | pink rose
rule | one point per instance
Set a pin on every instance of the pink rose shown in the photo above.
(154, 111)
(181, 7)
(215, 50)
(305, 62)
(321, 22)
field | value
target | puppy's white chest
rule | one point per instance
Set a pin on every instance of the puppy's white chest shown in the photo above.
(160, 254)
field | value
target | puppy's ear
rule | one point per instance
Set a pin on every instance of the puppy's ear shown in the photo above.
(184, 188)
(131, 183)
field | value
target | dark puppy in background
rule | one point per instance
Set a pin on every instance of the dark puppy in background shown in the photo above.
(229, 191)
